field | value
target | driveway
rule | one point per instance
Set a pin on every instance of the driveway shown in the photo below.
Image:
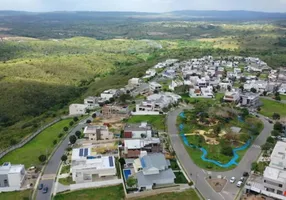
(49, 175)
(198, 175)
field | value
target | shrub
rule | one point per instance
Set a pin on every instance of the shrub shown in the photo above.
(278, 126)
(71, 123)
(65, 129)
(276, 116)
(78, 134)
(227, 150)
(55, 142)
(75, 119)
(190, 183)
(42, 158)
(270, 140)
(60, 135)
(72, 139)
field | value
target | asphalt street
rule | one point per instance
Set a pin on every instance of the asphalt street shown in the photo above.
(49, 175)
(198, 175)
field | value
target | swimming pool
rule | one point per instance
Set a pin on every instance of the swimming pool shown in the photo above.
(127, 173)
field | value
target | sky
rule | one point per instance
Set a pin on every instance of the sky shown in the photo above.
(142, 5)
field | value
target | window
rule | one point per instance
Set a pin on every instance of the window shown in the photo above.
(280, 185)
(279, 192)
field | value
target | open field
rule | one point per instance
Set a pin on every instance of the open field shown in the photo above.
(107, 193)
(186, 195)
(269, 107)
(21, 195)
(157, 121)
(41, 144)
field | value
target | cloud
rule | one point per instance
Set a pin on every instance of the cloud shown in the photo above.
(143, 5)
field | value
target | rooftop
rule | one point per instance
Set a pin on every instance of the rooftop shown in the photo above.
(138, 127)
(140, 143)
(144, 180)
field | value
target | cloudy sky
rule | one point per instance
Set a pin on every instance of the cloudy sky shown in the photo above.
(143, 5)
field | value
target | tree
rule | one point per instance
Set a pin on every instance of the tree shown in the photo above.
(242, 79)
(277, 98)
(88, 121)
(245, 112)
(131, 181)
(217, 130)
(111, 100)
(60, 135)
(241, 88)
(65, 129)
(55, 142)
(72, 139)
(93, 115)
(42, 158)
(121, 161)
(71, 123)
(276, 116)
(264, 93)
(253, 90)
(267, 146)
(78, 134)
(275, 133)
(75, 119)
(270, 140)
(278, 126)
(228, 88)
(155, 91)
(187, 101)
(64, 158)
(244, 137)
(13, 142)
(227, 151)
(124, 97)
(277, 94)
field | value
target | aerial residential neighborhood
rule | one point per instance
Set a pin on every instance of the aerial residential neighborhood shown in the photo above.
(118, 142)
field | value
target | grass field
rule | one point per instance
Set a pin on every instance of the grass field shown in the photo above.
(269, 107)
(107, 193)
(41, 144)
(157, 121)
(186, 195)
(21, 195)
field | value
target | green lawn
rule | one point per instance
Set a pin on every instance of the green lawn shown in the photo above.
(186, 195)
(283, 97)
(66, 169)
(66, 181)
(41, 144)
(269, 107)
(157, 121)
(217, 98)
(180, 178)
(21, 195)
(107, 193)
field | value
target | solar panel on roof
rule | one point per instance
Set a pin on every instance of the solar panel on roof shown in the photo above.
(81, 152)
(85, 152)
(111, 164)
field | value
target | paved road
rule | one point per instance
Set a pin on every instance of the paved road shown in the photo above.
(49, 175)
(198, 175)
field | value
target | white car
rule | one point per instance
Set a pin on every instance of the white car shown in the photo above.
(239, 184)
(232, 180)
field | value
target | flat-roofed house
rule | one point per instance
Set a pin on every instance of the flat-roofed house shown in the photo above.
(94, 132)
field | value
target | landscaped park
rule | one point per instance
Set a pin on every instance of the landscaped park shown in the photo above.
(217, 136)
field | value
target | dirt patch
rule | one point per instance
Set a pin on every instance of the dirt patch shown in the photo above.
(217, 184)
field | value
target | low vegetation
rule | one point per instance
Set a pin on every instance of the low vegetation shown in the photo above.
(270, 107)
(186, 195)
(20, 195)
(157, 121)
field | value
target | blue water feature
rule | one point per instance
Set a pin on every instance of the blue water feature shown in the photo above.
(205, 152)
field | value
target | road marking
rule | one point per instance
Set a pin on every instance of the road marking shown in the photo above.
(256, 146)
(221, 195)
(48, 176)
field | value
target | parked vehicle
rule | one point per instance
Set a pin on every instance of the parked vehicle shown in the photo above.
(242, 179)
(232, 180)
(245, 174)
(239, 184)
(45, 190)
(41, 186)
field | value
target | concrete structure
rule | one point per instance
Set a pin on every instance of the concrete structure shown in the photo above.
(91, 102)
(155, 86)
(94, 132)
(132, 148)
(204, 92)
(108, 94)
(109, 111)
(87, 166)
(11, 177)
(174, 84)
(136, 131)
(250, 99)
(153, 170)
(77, 109)
(274, 176)
(232, 96)
(134, 82)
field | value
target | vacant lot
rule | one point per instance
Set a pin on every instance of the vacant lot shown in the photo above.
(22, 195)
(186, 195)
(157, 121)
(269, 107)
(41, 144)
(107, 193)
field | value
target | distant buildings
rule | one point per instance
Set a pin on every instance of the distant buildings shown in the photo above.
(77, 109)
(232, 96)
(204, 92)
(109, 111)
(250, 99)
(11, 177)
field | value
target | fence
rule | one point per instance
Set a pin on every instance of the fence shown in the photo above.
(28, 139)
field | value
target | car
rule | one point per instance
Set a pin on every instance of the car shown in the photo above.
(41, 186)
(270, 121)
(232, 180)
(45, 190)
(242, 179)
(257, 116)
(239, 184)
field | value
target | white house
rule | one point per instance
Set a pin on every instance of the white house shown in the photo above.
(204, 92)
(77, 109)
(150, 73)
(174, 84)
(108, 94)
(11, 177)
(134, 82)
(250, 99)
(95, 132)
(232, 96)
(135, 131)
(87, 165)
(91, 102)
(155, 86)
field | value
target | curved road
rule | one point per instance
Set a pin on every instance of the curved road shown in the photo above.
(198, 175)
(50, 172)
